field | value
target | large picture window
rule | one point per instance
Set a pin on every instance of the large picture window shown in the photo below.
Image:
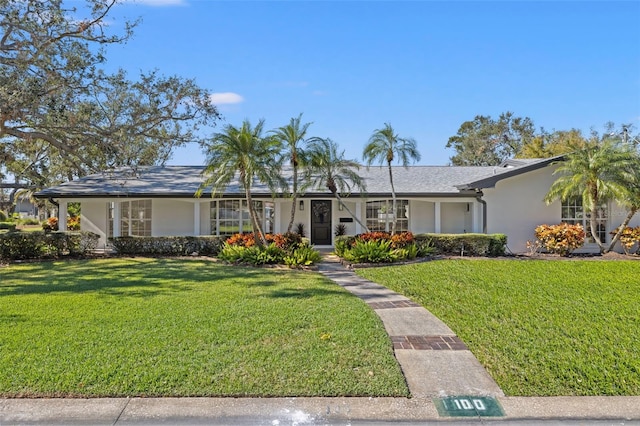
(230, 217)
(573, 213)
(135, 218)
(380, 215)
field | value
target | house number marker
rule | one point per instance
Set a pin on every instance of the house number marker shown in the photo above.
(468, 406)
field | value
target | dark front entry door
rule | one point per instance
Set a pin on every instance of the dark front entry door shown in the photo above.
(321, 222)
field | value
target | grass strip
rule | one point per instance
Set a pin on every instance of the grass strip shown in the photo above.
(165, 327)
(540, 327)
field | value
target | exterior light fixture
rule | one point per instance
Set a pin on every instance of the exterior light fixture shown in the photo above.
(301, 205)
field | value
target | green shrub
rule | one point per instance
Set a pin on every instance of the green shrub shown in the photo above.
(252, 255)
(269, 255)
(497, 244)
(468, 244)
(379, 247)
(232, 253)
(30, 221)
(3, 216)
(302, 256)
(370, 251)
(35, 245)
(168, 246)
(289, 249)
(342, 244)
(405, 253)
(424, 246)
(8, 225)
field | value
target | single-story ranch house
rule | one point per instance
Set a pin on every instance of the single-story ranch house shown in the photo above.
(160, 201)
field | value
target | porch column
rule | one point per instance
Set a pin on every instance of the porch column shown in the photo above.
(477, 219)
(196, 218)
(277, 217)
(116, 219)
(62, 215)
(358, 214)
(437, 220)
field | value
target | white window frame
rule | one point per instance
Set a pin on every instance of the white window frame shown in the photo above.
(230, 216)
(379, 221)
(135, 218)
(572, 212)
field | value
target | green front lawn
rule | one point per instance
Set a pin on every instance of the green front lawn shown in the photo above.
(539, 327)
(163, 327)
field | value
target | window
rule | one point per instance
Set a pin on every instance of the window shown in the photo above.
(135, 218)
(230, 217)
(380, 217)
(110, 207)
(573, 213)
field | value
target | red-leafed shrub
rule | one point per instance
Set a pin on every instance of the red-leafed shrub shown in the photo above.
(73, 223)
(561, 239)
(282, 241)
(402, 240)
(51, 224)
(373, 236)
(628, 238)
(242, 240)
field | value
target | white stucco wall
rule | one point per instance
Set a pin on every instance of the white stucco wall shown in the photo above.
(283, 214)
(421, 216)
(454, 218)
(337, 215)
(205, 217)
(516, 206)
(171, 217)
(93, 218)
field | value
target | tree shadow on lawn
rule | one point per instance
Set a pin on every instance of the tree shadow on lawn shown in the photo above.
(306, 293)
(151, 277)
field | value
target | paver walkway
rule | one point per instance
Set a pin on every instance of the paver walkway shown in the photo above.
(435, 362)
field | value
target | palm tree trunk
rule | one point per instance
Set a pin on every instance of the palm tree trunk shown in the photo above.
(293, 214)
(258, 233)
(294, 199)
(621, 228)
(340, 202)
(593, 220)
(393, 204)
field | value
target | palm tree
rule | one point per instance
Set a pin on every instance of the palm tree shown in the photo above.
(385, 146)
(291, 137)
(246, 152)
(330, 169)
(600, 172)
(631, 201)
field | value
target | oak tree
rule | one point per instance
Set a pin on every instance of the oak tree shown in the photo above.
(62, 115)
(487, 142)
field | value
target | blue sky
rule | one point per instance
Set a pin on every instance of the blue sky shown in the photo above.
(425, 67)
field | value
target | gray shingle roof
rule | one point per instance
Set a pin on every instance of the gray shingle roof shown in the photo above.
(184, 181)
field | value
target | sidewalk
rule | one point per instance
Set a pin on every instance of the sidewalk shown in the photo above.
(436, 363)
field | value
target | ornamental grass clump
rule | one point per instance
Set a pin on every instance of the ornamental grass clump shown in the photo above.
(561, 239)
(289, 249)
(377, 247)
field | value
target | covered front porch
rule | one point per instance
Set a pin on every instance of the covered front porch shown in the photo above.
(319, 219)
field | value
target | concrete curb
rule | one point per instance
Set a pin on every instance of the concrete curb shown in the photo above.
(286, 411)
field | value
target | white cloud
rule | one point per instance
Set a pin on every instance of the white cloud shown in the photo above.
(226, 98)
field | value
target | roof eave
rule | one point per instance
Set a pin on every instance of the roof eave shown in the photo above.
(491, 181)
